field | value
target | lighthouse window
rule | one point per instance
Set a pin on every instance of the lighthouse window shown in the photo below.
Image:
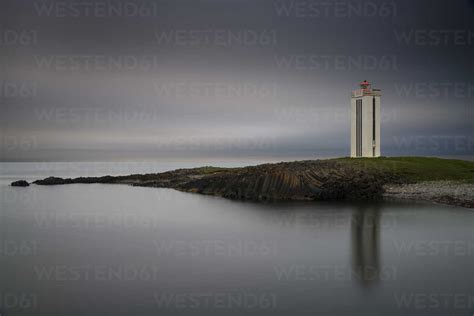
(359, 128)
(373, 119)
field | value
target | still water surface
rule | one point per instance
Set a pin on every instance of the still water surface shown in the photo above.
(92, 249)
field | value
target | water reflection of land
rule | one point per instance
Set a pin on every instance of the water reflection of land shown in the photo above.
(365, 239)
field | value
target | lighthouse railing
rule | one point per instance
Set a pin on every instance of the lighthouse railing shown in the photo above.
(362, 92)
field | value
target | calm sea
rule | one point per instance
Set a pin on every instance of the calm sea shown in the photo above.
(92, 249)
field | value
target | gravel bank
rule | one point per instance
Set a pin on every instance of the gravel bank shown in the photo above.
(446, 192)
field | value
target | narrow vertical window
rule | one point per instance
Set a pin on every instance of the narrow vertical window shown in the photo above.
(373, 120)
(373, 127)
(360, 145)
(358, 128)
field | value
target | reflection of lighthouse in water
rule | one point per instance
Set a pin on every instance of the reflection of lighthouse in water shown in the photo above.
(365, 233)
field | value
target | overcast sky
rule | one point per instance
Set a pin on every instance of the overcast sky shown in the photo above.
(225, 79)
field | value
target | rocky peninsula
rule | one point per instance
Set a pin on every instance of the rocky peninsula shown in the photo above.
(331, 179)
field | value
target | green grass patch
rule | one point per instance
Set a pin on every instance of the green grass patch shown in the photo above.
(418, 168)
(210, 169)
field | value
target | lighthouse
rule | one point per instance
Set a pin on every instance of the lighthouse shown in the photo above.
(365, 121)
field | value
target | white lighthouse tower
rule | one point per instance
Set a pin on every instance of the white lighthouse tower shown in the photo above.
(365, 121)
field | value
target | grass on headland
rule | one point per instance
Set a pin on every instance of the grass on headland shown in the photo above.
(411, 168)
(418, 168)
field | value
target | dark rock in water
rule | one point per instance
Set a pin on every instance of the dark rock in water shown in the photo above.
(20, 183)
(52, 181)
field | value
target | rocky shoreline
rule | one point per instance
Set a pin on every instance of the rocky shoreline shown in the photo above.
(302, 180)
(444, 192)
(333, 179)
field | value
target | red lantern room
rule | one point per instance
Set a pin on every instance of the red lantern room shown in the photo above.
(365, 85)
